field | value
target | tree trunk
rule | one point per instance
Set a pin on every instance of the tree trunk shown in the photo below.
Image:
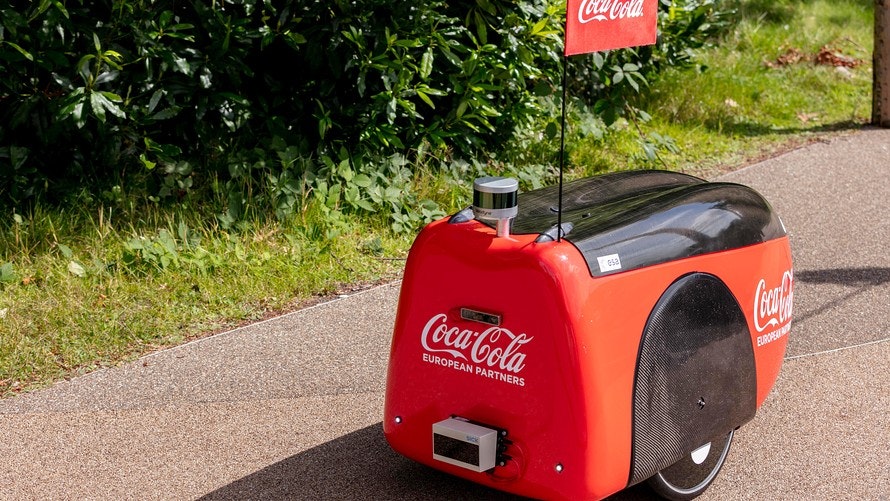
(880, 114)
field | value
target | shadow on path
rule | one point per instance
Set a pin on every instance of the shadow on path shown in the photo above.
(861, 278)
(361, 465)
(845, 276)
(835, 293)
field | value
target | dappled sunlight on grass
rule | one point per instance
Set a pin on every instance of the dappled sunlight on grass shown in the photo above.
(743, 96)
(115, 304)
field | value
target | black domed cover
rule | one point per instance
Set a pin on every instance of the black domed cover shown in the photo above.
(641, 218)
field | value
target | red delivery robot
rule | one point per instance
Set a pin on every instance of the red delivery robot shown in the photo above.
(572, 360)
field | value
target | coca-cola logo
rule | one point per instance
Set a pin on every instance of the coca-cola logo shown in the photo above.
(495, 347)
(773, 304)
(602, 10)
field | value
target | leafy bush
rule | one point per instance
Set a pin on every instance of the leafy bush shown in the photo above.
(259, 104)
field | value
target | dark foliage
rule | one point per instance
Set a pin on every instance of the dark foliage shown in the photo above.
(173, 97)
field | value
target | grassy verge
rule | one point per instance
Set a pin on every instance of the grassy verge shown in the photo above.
(95, 285)
(90, 293)
(789, 72)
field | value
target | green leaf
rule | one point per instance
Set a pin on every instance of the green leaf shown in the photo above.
(167, 113)
(551, 130)
(362, 180)
(111, 96)
(7, 273)
(102, 102)
(76, 269)
(155, 99)
(539, 26)
(598, 60)
(487, 6)
(391, 110)
(149, 165)
(66, 251)
(481, 28)
(61, 8)
(333, 198)
(632, 82)
(426, 99)
(83, 68)
(111, 57)
(182, 65)
(41, 8)
(462, 108)
(98, 107)
(406, 43)
(426, 64)
(111, 107)
(25, 53)
(392, 194)
(77, 113)
(73, 99)
(432, 92)
(450, 56)
(542, 88)
(345, 171)
(364, 204)
(606, 110)
(295, 38)
(106, 76)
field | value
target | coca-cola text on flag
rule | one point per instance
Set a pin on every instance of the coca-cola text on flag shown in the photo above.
(597, 25)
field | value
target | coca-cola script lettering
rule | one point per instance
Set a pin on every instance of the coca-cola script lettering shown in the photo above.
(773, 305)
(495, 348)
(602, 10)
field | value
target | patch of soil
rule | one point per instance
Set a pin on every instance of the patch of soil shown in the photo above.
(828, 55)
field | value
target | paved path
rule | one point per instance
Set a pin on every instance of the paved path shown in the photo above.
(290, 408)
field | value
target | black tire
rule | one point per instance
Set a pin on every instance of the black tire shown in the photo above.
(687, 479)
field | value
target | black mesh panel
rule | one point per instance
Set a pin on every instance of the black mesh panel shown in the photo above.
(695, 376)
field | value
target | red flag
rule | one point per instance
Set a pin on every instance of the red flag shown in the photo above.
(595, 25)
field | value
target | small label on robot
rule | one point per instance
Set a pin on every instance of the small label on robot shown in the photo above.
(609, 263)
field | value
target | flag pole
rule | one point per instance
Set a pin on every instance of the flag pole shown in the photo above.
(562, 147)
(595, 27)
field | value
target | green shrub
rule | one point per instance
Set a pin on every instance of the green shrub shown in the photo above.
(258, 104)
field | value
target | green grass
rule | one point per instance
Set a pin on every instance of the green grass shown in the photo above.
(93, 285)
(732, 106)
(77, 297)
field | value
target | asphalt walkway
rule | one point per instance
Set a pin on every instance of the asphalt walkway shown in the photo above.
(290, 408)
